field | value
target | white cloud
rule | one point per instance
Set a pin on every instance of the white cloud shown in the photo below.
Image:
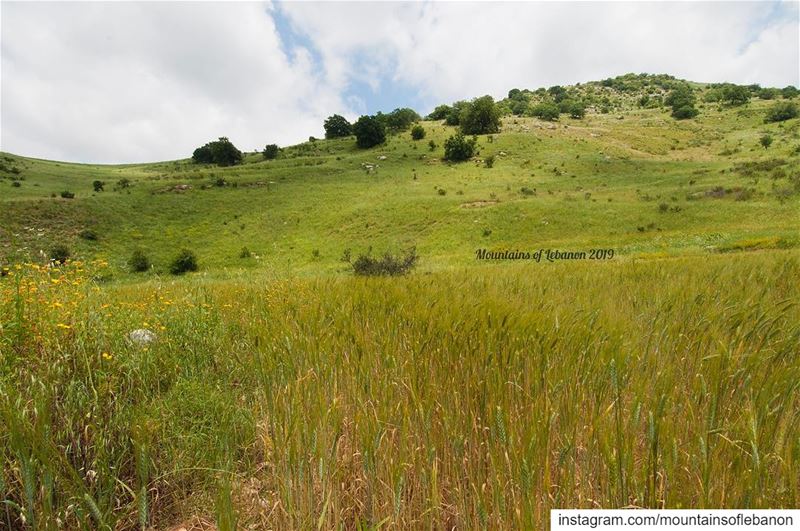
(117, 82)
(458, 50)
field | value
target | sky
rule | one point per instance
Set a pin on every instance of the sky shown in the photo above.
(114, 82)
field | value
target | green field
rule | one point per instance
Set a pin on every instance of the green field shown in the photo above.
(283, 392)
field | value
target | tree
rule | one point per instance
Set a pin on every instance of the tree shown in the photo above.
(766, 141)
(440, 112)
(399, 119)
(557, 92)
(98, 186)
(457, 148)
(417, 132)
(369, 132)
(221, 152)
(735, 94)
(546, 111)
(519, 107)
(781, 111)
(337, 126)
(454, 116)
(271, 151)
(480, 117)
(184, 262)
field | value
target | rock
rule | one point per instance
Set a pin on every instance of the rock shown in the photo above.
(382, 157)
(141, 336)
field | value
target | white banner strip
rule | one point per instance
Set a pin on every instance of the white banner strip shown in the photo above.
(674, 519)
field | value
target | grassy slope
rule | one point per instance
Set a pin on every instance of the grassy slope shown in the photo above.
(478, 396)
(598, 182)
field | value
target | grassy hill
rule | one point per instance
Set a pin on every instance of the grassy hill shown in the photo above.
(283, 392)
(634, 180)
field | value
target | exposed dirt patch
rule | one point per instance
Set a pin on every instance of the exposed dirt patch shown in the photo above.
(479, 204)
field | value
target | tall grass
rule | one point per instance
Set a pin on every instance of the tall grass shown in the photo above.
(468, 399)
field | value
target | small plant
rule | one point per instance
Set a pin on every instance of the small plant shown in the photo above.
(220, 182)
(663, 207)
(245, 253)
(431, 145)
(766, 141)
(60, 253)
(315, 254)
(98, 186)
(417, 132)
(16, 184)
(526, 191)
(388, 265)
(138, 262)
(489, 162)
(123, 183)
(66, 194)
(183, 263)
(441, 191)
(88, 234)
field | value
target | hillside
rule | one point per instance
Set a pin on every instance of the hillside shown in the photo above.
(280, 391)
(632, 179)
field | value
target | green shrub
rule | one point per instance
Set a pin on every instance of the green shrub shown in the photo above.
(271, 151)
(60, 253)
(781, 111)
(388, 265)
(245, 253)
(66, 194)
(766, 141)
(417, 132)
(98, 186)
(138, 262)
(489, 161)
(185, 261)
(432, 145)
(457, 148)
(546, 111)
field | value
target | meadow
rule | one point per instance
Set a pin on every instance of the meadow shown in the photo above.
(284, 392)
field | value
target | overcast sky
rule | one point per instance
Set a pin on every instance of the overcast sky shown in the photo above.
(144, 81)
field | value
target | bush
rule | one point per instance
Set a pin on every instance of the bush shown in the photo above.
(457, 148)
(221, 152)
(682, 101)
(685, 112)
(271, 151)
(783, 110)
(454, 116)
(546, 111)
(98, 186)
(185, 261)
(489, 161)
(480, 117)
(432, 145)
(388, 265)
(245, 253)
(417, 132)
(766, 141)
(60, 253)
(88, 234)
(66, 194)
(577, 110)
(337, 126)
(369, 132)
(138, 262)
(789, 92)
